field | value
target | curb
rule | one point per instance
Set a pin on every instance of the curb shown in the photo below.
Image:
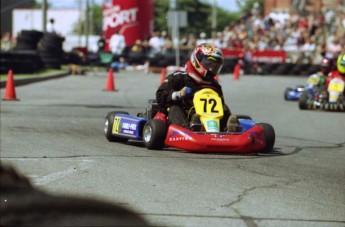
(25, 81)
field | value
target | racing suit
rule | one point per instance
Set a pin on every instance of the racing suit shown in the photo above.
(177, 110)
(332, 75)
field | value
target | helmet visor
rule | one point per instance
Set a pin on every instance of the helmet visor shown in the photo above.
(212, 64)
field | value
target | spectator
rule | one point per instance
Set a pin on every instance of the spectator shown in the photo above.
(137, 53)
(101, 44)
(75, 60)
(333, 49)
(117, 43)
(307, 51)
(168, 45)
(51, 25)
(202, 39)
(329, 19)
(6, 42)
(191, 44)
(155, 44)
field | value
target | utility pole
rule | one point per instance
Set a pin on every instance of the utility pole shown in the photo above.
(175, 32)
(44, 15)
(214, 19)
(87, 24)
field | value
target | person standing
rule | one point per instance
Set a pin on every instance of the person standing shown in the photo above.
(51, 25)
(117, 43)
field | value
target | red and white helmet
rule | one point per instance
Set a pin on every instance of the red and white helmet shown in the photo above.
(207, 60)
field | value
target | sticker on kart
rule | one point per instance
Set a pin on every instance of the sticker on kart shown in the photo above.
(208, 105)
(125, 126)
(335, 88)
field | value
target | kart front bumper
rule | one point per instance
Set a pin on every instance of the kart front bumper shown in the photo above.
(245, 142)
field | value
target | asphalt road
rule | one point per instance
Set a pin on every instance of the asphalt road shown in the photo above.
(54, 135)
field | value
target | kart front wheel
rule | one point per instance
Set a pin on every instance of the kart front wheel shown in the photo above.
(302, 101)
(286, 93)
(154, 134)
(269, 137)
(108, 127)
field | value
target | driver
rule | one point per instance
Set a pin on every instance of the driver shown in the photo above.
(339, 73)
(174, 96)
(325, 68)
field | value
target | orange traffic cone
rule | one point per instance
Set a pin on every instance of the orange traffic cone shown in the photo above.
(110, 86)
(236, 74)
(10, 93)
(163, 75)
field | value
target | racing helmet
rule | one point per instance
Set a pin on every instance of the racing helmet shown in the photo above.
(207, 60)
(326, 65)
(341, 63)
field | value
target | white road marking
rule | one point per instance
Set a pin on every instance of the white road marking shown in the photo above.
(43, 180)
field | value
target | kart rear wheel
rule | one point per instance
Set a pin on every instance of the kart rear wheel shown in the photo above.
(302, 101)
(269, 137)
(154, 134)
(108, 127)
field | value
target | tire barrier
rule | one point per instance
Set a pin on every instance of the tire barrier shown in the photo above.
(34, 51)
(20, 61)
(50, 50)
(23, 58)
(28, 40)
(253, 68)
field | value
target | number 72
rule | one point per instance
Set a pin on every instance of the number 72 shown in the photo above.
(213, 104)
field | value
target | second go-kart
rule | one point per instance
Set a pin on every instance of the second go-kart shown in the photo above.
(204, 136)
(330, 99)
(294, 93)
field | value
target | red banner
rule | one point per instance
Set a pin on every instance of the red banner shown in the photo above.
(268, 56)
(133, 18)
(265, 56)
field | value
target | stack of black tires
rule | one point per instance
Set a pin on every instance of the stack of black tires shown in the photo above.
(34, 51)
(51, 51)
(24, 57)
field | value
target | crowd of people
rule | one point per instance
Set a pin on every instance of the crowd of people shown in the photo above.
(305, 38)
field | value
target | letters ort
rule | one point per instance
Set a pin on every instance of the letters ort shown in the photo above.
(115, 17)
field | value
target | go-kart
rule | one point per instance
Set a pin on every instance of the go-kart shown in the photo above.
(330, 99)
(294, 93)
(204, 134)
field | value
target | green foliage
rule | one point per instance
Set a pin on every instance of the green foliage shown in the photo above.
(96, 12)
(199, 16)
(38, 4)
(247, 5)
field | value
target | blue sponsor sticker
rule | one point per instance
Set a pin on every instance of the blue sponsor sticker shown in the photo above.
(127, 126)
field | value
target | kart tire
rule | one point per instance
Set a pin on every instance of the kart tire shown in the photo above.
(154, 134)
(108, 127)
(286, 93)
(302, 101)
(269, 137)
(246, 117)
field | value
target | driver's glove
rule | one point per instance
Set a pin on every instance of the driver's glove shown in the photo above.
(177, 95)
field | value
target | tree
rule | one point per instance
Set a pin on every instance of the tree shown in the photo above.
(96, 12)
(199, 16)
(247, 6)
